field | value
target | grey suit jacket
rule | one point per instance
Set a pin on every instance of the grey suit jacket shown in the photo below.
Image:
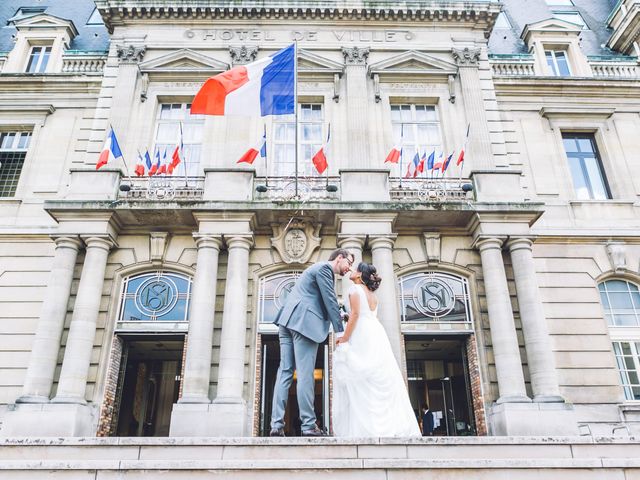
(312, 304)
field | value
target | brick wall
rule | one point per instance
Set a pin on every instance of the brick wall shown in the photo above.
(109, 411)
(476, 386)
(257, 393)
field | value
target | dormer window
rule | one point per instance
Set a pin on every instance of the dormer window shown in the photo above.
(557, 63)
(38, 59)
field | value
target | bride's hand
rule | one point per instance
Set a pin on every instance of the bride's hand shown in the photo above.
(341, 340)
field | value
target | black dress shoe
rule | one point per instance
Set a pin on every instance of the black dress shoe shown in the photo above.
(276, 432)
(314, 432)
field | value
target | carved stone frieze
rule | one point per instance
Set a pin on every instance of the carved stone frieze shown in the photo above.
(130, 53)
(243, 55)
(296, 241)
(355, 55)
(466, 57)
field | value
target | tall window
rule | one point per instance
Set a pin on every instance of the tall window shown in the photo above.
(38, 59)
(417, 129)
(171, 117)
(13, 150)
(621, 303)
(586, 168)
(628, 361)
(311, 137)
(558, 62)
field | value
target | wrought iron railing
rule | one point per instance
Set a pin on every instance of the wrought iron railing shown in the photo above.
(429, 190)
(283, 189)
(161, 187)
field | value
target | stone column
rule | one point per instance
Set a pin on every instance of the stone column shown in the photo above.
(46, 345)
(77, 355)
(353, 244)
(234, 321)
(503, 333)
(542, 369)
(197, 371)
(355, 60)
(382, 256)
(478, 149)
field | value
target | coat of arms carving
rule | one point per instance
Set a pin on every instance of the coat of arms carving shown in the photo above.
(296, 241)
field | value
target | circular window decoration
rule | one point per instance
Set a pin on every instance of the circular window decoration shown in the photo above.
(433, 297)
(282, 291)
(156, 296)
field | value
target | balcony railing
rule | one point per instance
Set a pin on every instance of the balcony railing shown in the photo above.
(283, 189)
(427, 190)
(512, 65)
(614, 67)
(161, 188)
(80, 62)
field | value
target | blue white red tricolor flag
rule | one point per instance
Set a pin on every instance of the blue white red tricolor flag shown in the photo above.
(261, 148)
(461, 156)
(264, 87)
(412, 167)
(320, 158)
(110, 151)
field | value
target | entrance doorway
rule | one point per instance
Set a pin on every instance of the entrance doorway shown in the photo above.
(270, 357)
(149, 385)
(438, 375)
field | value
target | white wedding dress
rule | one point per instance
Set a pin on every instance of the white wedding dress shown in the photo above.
(370, 397)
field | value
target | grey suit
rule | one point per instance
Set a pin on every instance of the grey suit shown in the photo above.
(304, 323)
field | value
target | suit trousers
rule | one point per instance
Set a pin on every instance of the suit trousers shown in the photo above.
(297, 352)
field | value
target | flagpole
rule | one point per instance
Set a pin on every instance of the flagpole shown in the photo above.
(295, 108)
(266, 155)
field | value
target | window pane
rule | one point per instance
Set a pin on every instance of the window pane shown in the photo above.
(584, 145)
(570, 145)
(616, 286)
(595, 178)
(579, 182)
(563, 66)
(10, 171)
(33, 60)
(551, 63)
(8, 140)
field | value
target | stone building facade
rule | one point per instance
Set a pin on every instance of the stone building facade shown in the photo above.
(141, 306)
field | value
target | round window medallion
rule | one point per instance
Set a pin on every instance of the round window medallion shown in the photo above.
(156, 296)
(433, 297)
(282, 292)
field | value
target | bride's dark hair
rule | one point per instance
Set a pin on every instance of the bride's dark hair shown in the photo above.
(370, 276)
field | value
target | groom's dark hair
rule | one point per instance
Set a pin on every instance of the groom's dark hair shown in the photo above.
(340, 251)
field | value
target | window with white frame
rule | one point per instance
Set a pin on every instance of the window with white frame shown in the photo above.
(586, 166)
(558, 62)
(272, 295)
(621, 304)
(172, 119)
(571, 17)
(311, 136)
(13, 150)
(155, 296)
(38, 59)
(628, 362)
(416, 129)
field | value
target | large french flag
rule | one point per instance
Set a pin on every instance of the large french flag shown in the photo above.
(264, 87)
(110, 151)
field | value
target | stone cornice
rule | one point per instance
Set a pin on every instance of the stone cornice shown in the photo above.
(119, 12)
(562, 87)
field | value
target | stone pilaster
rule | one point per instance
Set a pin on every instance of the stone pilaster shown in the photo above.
(355, 60)
(503, 333)
(478, 149)
(542, 369)
(382, 257)
(353, 244)
(44, 353)
(82, 332)
(197, 370)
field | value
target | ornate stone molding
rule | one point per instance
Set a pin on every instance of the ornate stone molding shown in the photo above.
(296, 241)
(617, 254)
(243, 55)
(130, 53)
(466, 57)
(355, 55)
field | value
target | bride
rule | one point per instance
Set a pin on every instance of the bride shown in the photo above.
(369, 394)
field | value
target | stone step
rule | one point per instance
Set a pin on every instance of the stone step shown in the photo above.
(582, 458)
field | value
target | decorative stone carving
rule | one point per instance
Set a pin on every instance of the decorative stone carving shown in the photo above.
(617, 256)
(355, 55)
(243, 55)
(432, 246)
(131, 53)
(157, 245)
(296, 241)
(466, 57)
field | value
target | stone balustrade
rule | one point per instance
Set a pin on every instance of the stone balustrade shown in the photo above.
(512, 65)
(86, 63)
(615, 68)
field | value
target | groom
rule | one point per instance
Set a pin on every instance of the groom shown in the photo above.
(304, 324)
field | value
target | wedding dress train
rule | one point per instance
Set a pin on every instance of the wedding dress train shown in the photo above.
(370, 397)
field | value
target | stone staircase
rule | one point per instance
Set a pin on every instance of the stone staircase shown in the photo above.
(495, 458)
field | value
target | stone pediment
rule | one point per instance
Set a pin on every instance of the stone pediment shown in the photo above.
(184, 60)
(311, 63)
(413, 62)
(45, 21)
(550, 25)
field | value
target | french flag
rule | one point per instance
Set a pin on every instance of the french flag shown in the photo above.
(320, 159)
(156, 166)
(251, 154)
(264, 87)
(412, 168)
(420, 168)
(394, 154)
(110, 151)
(447, 162)
(461, 156)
